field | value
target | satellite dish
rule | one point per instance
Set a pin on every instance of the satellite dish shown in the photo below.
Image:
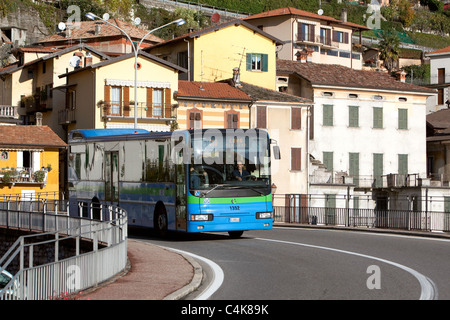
(105, 16)
(137, 21)
(61, 26)
(74, 61)
(215, 17)
(320, 12)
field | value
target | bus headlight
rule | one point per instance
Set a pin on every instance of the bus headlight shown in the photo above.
(201, 217)
(263, 215)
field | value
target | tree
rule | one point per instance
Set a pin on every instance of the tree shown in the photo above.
(389, 46)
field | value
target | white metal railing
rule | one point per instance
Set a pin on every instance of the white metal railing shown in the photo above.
(71, 269)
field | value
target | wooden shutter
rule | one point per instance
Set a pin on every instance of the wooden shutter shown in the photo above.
(328, 160)
(149, 102)
(403, 119)
(261, 117)
(296, 159)
(353, 116)
(403, 164)
(167, 103)
(327, 114)
(265, 62)
(354, 167)
(312, 33)
(107, 104)
(378, 117)
(249, 62)
(299, 31)
(296, 118)
(378, 169)
(126, 101)
(345, 37)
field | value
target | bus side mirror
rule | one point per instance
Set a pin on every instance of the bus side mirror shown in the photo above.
(276, 152)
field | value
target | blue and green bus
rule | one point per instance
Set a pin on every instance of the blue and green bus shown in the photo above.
(185, 180)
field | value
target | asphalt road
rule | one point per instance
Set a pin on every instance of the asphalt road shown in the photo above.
(316, 264)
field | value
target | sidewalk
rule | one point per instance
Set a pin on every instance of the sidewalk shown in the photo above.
(153, 273)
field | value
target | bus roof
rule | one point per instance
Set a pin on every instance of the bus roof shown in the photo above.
(91, 133)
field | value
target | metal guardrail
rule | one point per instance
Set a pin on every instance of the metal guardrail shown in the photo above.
(368, 218)
(75, 271)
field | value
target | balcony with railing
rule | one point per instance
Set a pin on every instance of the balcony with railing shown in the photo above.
(321, 41)
(19, 175)
(392, 180)
(125, 109)
(8, 112)
(66, 116)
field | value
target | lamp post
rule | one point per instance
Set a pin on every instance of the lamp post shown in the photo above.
(178, 22)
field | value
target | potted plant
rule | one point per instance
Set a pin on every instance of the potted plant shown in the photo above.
(39, 176)
(49, 167)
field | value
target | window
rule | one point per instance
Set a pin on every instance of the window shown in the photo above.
(325, 36)
(402, 164)
(403, 119)
(115, 100)
(71, 100)
(232, 119)
(328, 160)
(257, 62)
(261, 117)
(157, 101)
(327, 114)
(378, 118)
(182, 59)
(44, 67)
(353, 116)
(195, 119)
(340, 36)
(378, 169)
(441, 75)
(296, 118)
(296, 159)
(354, 167)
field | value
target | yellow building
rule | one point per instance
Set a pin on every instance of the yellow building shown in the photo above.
(102, 95)
(29, 160)
(32, 85)
(211, 54)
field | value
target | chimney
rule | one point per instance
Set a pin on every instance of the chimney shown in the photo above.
(38, 117)
(69, 32)
(344, 15)
(88, 60)
(401, 76)
(97, 28)
(236, 77)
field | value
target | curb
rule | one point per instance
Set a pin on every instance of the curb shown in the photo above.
(195, 282)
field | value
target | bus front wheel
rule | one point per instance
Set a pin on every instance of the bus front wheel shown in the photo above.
(235, 234)
(160, 223)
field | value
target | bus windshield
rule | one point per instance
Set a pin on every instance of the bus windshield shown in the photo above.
(233, 160)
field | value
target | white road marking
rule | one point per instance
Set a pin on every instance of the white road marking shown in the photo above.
(429, 289)
(217, 275)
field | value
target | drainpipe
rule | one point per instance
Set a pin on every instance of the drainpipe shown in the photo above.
(189, 59)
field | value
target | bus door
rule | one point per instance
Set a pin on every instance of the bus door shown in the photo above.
(112, 176)
(180, 197)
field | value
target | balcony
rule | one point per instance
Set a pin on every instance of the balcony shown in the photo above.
(11, 176)
(144, 110)
(66, 116)
(392, 181)
(9, 112)
(321, 41)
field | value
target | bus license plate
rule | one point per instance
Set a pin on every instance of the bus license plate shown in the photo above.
(234, 219)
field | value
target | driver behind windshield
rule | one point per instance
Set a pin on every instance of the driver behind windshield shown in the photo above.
(240, 173)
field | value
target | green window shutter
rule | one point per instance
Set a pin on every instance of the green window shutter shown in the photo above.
(378, 118)
(249, 61)
(355, 206)
(265, 62)
(353, 116)
(328, 160)
(354, 167)
(402, 164)
(446, 204)
(378, 169)
(327, 114)
(403, 119)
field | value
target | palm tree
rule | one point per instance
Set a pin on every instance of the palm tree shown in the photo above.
(389, 46)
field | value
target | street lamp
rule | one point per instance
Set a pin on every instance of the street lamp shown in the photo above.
(178, 22)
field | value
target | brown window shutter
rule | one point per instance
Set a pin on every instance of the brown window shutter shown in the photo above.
(296, 163)
(296, 118)
(299, 32)
(107, 105)
(312, 33)
(261, 117)
(149, 102)
(345, 37)
(126, 101)
(167, 103)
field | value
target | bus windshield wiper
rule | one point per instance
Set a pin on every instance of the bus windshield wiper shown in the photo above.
(204, 194)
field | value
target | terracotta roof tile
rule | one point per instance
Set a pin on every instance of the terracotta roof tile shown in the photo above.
(213, 90)
(443, 50)
(87, 30)
(301, 13)
(336, 75)
(38, 136)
